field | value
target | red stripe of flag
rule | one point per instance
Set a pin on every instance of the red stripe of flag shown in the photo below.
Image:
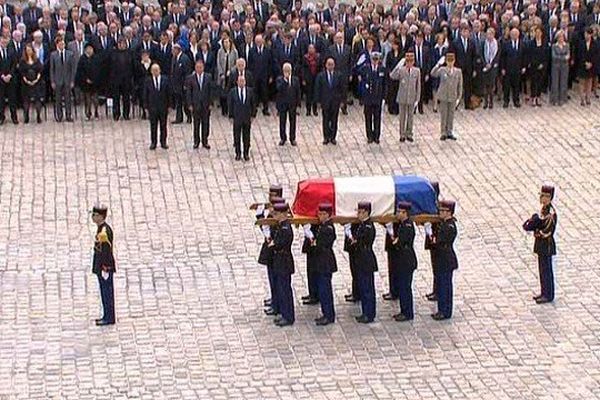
(312, 192)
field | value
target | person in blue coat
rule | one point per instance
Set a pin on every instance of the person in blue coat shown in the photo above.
(372, 83)
(446, 260)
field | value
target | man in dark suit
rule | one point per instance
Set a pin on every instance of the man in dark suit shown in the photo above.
(181, 67)
(7, 10)
(62, 79)
(156, 95)
(8, 80)
(328, 92)
(288, 99)
(242, 111)
(260, 63)
(31, 15)
(287, 53)
(342, 54)
(512, 67)
(198, 90)
(163, 53)
(240, 70)
(465, 52)
(372, 81)
(422, 61)
(121, 78)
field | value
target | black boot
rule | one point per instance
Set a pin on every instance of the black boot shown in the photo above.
(26, 116)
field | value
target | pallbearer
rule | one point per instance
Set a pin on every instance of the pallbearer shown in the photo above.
(443, 246)
(312, 297)
(360, 238)
(544, 226)
(430, 231)
(104, 264)
(321, 248)
(283, 265)
(403, 260)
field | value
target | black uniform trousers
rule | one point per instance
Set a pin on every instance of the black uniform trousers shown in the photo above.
(325, 295)
(373, 121)
(546, 276)
(355, 277)
(392, 278)
(158, 118)
(444, 290)
(108, 297)
(404, 279)
(201, 120)
(312, 277)
(273, 288)
(434, 269)
(241, 133)
(366, 284)
(288, 113)
(330, 114)
(284, 297)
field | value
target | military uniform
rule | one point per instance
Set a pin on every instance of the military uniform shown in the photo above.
(409, 93)
(373, 83)
(283, 268)
(324, 265)
(403, 261)
(449, 94)
(447, 262)
(354, 295)
(365, 262)
(544, 226)
(104, 267)
(429, 246)
(311, 272)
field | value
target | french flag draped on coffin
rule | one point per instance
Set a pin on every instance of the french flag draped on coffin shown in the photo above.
(384, 192)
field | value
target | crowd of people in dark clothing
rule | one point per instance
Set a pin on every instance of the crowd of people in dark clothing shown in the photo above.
(102, 54)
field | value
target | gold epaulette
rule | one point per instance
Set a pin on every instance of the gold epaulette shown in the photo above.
(102, 236)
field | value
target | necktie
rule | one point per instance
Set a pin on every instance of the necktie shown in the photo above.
(200, 81)
(515, 46)
(3, 54)
(242, 96)
(419, 55)
(156, 83)
(62, 57)
(330, 79)
(340, 49)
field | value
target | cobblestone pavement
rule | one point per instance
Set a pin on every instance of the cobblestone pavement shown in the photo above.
(189, 290)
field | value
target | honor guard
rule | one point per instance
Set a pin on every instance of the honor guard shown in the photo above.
(372, 77)
(399, 243)
(543, 226)
(449, 92)
(312, 297)
(265, 256)
(431, 229)
(321, 238)
(443, 246)
(283, 265)
(104, 264)
(360, 237)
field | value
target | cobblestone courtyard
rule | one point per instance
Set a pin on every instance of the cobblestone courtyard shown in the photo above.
(189, 292)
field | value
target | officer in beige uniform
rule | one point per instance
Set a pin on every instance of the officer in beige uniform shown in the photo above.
(409, 93)
(449, 92)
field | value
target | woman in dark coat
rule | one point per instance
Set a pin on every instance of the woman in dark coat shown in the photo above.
(141, 73)
(88, 71)
(33, 88)
(538, 65)
(311, 65)
(392, 59)
(587, 55)
(490, 53)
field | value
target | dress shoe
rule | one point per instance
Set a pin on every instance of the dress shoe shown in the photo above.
(281, 142)
(26, 120)
(15, 120)
(323, 321)
(376, 141)
(189, 120)
(97, 321)
(401, 317)
(325, 141)
(177, 122)
(126, 118)
(389, 296)
(431, 297)
(164, 146)
(315, 112)
(267, 302)
(266, 112)
(238, 158)
(439, 316)
(152, 147)
(39, 119)
(116, 118)
(103, 322)
(270, 311)
(443, 137)
(351, 299)
(410, 139)
(310, 302)
(537, 296)
(283, 322)
(345, 111)
(518, 105)
(196, 145)
(308, 113)
(505, 105)
(69, 119)
(293, 143)
(402, 139)
(206, 146)
(307, 297)
(333, 142)
(543, 300)
(369, 141)
(277, 319)
(363, 319)
(451, 136)
(246, 158)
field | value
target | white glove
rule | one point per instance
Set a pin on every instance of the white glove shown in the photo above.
(402, 62)
(307, 232)
(260, 209)
(441, 61)
(389, 227)
(457, 102)
(266, 230)
(105, 275)
(428, 230)
(347, 231)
